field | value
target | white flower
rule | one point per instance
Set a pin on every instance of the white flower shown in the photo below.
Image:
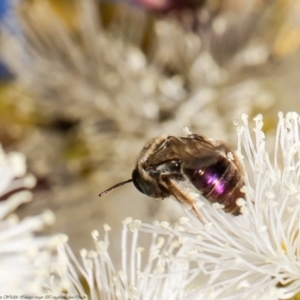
(255, 255)
(144, 273)
(25, 260)
(252, 256)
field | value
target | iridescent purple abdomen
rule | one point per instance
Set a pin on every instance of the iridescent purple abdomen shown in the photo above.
(220, 182)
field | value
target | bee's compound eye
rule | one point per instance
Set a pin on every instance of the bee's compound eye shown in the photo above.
(138, 181)
(148, 187)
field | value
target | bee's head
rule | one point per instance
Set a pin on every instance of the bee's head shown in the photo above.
(150, 182)
(146, 185)
(147, 182)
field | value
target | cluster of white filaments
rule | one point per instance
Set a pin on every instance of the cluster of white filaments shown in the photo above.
(252, 256)
(145, 273)
(25, 260)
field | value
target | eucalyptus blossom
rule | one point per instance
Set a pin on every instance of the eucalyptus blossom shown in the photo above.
(251, 256)
(26, 260)
(255, 255)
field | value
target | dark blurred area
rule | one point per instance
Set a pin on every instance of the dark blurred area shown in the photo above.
(84, 84)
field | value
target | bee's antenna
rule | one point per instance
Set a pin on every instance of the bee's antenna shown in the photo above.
(114, 187)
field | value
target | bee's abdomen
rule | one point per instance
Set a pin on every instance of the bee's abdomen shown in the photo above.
(220, 182)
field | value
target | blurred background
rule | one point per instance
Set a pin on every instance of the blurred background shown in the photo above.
(84, 84)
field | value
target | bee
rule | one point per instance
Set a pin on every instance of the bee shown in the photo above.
(167, 163)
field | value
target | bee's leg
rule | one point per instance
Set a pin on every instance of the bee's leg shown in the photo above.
(184, 198)
(195, 210)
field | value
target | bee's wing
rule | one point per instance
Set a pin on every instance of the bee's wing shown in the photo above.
(193, 151)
